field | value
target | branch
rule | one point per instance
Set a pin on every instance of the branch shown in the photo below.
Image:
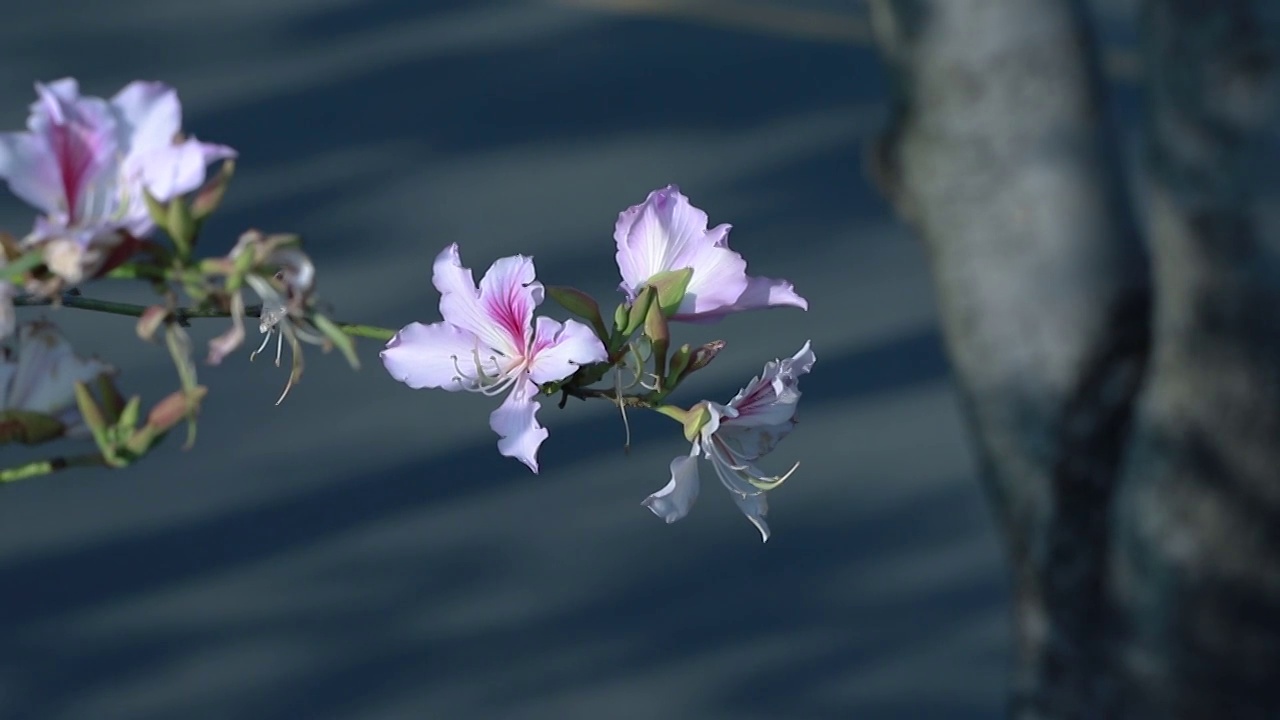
(183, 314)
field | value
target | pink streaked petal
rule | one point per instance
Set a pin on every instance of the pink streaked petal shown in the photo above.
(31, 170)
(677, 497)
(460, 303)
(80, 133)
(771, 398)
(516, 423)
(560, 348)
(150, 115)
(509, 293)
(430, 356)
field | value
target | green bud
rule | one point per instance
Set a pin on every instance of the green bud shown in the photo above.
(96, 423)
(129, 415)
(209, 197)
(579, 304)
(181, 226)
(702, 357)
(696, 419)
(158, 211)
(655, 328)
(671, 286)
(639, 310)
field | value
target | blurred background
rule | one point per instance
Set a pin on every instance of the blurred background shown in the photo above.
(362, 551)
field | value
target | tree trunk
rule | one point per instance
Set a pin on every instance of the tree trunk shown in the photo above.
(1143, 527)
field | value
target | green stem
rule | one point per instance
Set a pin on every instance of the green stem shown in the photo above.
(50, 466)
(372, 332)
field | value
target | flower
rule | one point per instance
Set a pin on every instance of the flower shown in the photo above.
(489, 342)
(665, 233)
(42, 377)
(285, 298)
(734, 437)
(84, 162)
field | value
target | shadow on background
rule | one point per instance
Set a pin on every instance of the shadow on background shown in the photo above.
(362, 551)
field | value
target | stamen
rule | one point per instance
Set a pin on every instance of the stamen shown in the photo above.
(265, 340)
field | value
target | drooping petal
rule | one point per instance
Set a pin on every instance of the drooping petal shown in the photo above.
(432, 356)
(150, 115)
(761, 293)
(755, 507)
(515, 421)
(666, 232)
(676, 498)
(559, 349)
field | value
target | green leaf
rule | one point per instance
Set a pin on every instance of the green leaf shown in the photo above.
(671, 286)
(29, 428)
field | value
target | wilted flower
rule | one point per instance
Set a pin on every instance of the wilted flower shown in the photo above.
(489, 343)
(84, 162)
(666, 233)
(734, 437)
(42, 377)
(284, 297)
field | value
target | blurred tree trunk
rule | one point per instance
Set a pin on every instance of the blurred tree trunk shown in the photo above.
(1127, 412)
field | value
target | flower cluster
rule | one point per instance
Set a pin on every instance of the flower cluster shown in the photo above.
(122, 194)
(673, 268)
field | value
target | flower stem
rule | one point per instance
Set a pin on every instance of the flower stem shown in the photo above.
(183, 313)
(50, 466)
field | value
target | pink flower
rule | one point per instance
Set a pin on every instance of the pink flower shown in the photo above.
(665, 233)
(489, 342)
(734, 438)
(84, 162)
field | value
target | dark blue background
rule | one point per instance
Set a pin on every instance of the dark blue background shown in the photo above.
(362, 551)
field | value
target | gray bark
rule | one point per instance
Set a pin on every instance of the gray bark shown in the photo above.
(1194, 573)
(1127, 413)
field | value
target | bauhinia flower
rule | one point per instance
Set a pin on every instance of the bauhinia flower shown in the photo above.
(285, 298)
(41, 377)
(734, 437)
(490, 342)
(666, 233)
(84, 162)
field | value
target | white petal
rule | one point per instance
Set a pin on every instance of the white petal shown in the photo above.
(517, 426)
(560, 349)
(676, 498)
(755, 507)
(150, 115)
(432, 356)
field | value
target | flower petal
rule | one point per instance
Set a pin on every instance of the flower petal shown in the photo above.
(80, 135)
(47, 370)
(461, 304)
(666, 232)
(771, 398)
(755, 507)
(31, 170)
(761, 293)
(431, 356)
(517, 426)
(676, 498)
(150, 116)
(559, 349)
(509, 293)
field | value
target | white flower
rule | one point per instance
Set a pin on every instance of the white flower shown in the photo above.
(734, 437)
(42, 377)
